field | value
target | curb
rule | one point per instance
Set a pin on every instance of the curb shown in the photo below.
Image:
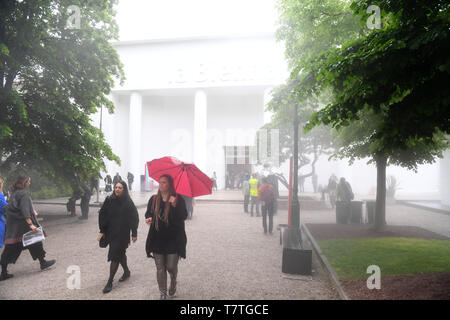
(324, 261)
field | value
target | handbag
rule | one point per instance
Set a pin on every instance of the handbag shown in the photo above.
(103, 243)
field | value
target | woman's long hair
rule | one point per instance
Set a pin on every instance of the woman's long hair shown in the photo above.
(20, 183)
(157, 203)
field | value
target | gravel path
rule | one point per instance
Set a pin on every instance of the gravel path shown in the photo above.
(228, 257)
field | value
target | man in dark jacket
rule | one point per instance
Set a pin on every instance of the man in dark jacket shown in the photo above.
(130, 178)
(85, 201)
(116, 179)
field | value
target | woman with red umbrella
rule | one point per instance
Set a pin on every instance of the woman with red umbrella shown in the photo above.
(166, 240)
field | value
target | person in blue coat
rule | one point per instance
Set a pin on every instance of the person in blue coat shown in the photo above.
(3, 204)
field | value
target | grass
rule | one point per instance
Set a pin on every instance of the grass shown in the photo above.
(351, 257)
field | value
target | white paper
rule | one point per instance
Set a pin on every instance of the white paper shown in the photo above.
(30, 238)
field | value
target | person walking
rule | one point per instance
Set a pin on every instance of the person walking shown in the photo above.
(266, 194)
(117, 178)
(214, 179)
(246, 193)
(166, 214)
(118, 217)
(332, 189)
(20, 219)
(84, 203)
(189, 202)
(344, 191)
(72, 202)
(272, 179)
(130, 178)
(108, 182)
(254, 184)
(3, 204)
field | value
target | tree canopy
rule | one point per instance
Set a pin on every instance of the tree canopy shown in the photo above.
(56, 69)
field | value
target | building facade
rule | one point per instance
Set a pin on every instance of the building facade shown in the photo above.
(199, 99)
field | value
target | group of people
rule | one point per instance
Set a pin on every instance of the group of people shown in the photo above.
(109, 182)
(235, 181)
(118, 222)
(166, 240)
(338, 190)
(264, 192)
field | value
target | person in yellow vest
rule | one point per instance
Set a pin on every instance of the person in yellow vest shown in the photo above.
(254, 185)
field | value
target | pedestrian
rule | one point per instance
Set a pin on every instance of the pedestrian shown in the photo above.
(266, 194)
(94, 183)
(130, 178)
(108, 182)
(3, 204)
(166, 240)
(246, 193)
(118, 217)
(84, 204)
(20, 219)
(332, 189)
(272, 179)
(344, 191)
(189, 202)
(254, 184)
(214, 179)
(117, 178)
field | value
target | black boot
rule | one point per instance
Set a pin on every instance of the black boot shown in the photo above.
(125, 276)
(46, 264)
(5, 275)
(108, 287)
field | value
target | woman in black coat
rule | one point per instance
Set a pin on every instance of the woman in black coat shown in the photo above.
(118, 217)
(20, 219)
(166, 240)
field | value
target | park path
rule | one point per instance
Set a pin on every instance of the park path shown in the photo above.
(228, 257)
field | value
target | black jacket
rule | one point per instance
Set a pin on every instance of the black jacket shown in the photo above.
(171, 237)
(117, 218)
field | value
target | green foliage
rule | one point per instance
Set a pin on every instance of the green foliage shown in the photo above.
(351, 257)
(52, 78)
(398, 75)
(42, 187)
(308, 28)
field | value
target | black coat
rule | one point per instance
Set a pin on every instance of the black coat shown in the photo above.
(18, 210)
(171, 237)
(117, 218)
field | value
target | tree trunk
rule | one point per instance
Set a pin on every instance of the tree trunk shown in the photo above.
(380, 207)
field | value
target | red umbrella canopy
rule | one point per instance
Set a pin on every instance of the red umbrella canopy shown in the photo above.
(188, 179)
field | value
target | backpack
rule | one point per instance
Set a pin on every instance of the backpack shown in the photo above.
(267, 193)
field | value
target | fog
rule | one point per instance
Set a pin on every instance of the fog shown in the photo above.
(152, 19)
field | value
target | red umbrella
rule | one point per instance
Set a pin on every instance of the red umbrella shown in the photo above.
(188, 179)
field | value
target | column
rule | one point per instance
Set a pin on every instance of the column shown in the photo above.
(134, 164)
(200, 130)
(445, 178)
(267, 97)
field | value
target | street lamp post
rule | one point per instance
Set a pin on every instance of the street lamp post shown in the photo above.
(294, 235)
(297, 254)
(101, 118)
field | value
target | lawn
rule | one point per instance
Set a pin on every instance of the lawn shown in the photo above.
(351, 257)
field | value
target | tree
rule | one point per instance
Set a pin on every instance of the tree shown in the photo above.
(394, 80)
(317, 142)
(308, 28)
(54, 74)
